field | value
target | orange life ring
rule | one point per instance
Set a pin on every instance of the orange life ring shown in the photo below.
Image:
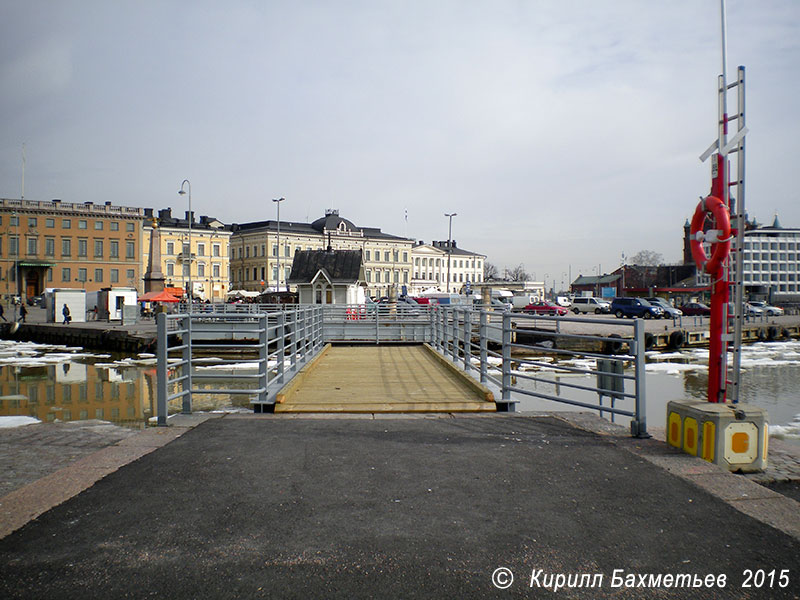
(720, 243)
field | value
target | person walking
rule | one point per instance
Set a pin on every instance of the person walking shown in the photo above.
(23, 312)
(2, 316)
(67, 316)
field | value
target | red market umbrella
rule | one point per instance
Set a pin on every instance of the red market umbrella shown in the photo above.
(158, 297)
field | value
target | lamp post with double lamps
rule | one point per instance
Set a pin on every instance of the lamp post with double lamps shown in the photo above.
(187, 184)
(449, 247)
(278, 201)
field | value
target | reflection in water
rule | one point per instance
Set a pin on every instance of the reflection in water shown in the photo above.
(55, 393)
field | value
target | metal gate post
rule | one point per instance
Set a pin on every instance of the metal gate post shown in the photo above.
(639, 423)
(263, 323)
(186, 326)
(161, 369)
(484, 332)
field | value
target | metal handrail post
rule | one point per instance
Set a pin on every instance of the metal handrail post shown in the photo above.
(281, 352)
(506, 358)
(161, 369)
(467, 341)
(377, 323)
(186, 359)
(483, 335)
(293, 340)
(639, 424)
(263, 353)
(453, 334)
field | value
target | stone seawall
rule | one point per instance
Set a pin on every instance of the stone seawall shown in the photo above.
(96, 338)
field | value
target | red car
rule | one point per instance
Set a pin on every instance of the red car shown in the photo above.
(545, 308)
(695, 308)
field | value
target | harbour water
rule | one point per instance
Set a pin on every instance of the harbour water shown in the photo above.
(58, 383)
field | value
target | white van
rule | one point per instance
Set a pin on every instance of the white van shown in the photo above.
(589, 304)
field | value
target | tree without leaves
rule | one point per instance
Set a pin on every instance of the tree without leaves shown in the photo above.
(518, 273)
(489, 271)
(646, 258)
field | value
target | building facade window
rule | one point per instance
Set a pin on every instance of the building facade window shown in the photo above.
(113, 276)
(98, 248)
(98, 275)
(66, 275)
(113, 249)
(130, 250)
(33, 246)
(49, 246)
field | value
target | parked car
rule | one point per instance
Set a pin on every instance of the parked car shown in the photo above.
(695, 309)
(669, 310)
(752, 311)
(588, 304)
(635, 307)
(495, 304)
(545, 308)
(770, 311)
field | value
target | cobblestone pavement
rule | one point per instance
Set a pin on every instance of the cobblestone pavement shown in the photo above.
(31, 452)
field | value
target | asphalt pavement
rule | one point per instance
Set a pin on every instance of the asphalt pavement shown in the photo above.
(427, 507)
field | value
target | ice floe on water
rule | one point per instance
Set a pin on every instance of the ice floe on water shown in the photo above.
(17, 421)
(791, 431)
(674, 368)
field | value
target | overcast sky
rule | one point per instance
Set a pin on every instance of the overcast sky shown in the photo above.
(563, 133)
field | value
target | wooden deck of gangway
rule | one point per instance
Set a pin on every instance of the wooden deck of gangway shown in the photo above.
(382, 379)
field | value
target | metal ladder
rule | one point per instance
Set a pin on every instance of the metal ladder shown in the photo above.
(734, 266)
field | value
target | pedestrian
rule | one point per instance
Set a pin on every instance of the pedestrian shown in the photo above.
(65, 312)
(23, 312)
(2, 316)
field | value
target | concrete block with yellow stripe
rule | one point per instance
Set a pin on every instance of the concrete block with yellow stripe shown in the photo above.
(734, 436)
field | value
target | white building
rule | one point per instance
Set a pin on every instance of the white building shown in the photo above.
(255, 254)
(433, 262)
(771, 262)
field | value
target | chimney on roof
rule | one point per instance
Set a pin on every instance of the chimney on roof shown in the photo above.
(148, 212)
(108, 203)
(164, 214)
(189, 216)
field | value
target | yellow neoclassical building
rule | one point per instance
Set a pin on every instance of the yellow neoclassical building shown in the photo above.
(210, 243)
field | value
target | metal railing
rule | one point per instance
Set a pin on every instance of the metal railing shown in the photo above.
(463, 335)
(283, 341)
(377, 323)
(511, 352)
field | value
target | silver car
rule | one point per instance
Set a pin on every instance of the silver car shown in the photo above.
(670, 312)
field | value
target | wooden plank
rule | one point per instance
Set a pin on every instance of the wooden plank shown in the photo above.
(407, 378)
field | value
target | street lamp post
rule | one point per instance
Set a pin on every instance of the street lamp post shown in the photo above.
(188, 185)
(278, 201)
(449, 247)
